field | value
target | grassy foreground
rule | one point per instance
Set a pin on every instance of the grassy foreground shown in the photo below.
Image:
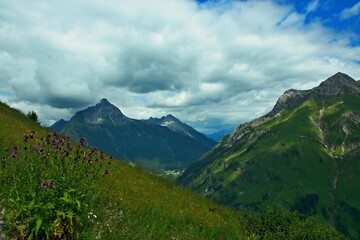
(122, 202)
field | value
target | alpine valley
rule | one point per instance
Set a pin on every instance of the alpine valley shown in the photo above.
(156, 144)
(303, 155)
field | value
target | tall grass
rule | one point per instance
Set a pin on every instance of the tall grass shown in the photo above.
(47, 186)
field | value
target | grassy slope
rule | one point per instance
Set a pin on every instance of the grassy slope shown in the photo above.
(289, 161)
(136, 204)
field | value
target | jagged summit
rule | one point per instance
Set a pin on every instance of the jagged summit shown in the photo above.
(175, 125)
(339, 83)
(103, 112)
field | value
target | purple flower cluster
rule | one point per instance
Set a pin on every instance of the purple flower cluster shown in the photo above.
(27, 137)
(82, 141)
(54, 146)
(47, 184)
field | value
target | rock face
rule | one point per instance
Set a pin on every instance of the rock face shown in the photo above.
(304, 155)
(102, 112)
(337, 84)
(156, 144)
(177, 126)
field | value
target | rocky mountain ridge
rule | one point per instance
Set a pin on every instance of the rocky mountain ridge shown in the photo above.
(338, 84)
(147, 143)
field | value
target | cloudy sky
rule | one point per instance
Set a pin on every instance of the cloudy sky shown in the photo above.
(212, 64)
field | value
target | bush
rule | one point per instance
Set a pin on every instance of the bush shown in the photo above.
(33, 116)
(275, 222)
(47, 187)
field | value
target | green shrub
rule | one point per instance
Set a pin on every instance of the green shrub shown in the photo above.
(275, 222)
(47, 186)
(33, 116)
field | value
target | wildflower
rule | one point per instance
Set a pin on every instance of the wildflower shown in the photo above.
(82, 141)
(55, 142)
(14, 154)
(34, 148)
(47, 184)
(41, 149)
(106, 171)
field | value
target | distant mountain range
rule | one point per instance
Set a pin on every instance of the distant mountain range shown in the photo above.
(304, 155)
(157, 144)
(217, 136)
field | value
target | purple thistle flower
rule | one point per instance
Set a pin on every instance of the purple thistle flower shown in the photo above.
(47, 184)
(14, 154)
(34, 148)
(82, 141)
(106, 171)
(41, 149)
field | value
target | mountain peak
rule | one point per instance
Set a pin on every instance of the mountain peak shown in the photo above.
(338, 84)
(102, 113)
(104, 100)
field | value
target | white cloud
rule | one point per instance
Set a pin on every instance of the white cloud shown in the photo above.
(350, 12)
(312, 6)
(221, 63)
